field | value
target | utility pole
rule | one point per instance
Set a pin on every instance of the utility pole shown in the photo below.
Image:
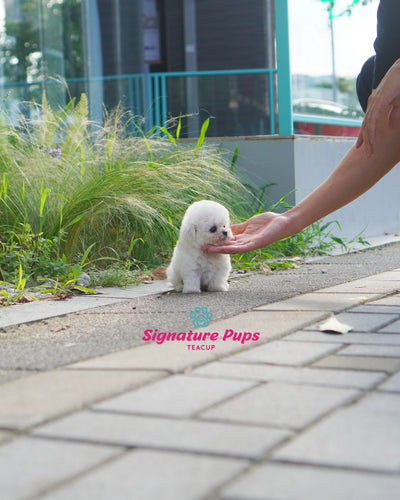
(334, 80)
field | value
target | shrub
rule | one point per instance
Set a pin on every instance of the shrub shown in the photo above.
(75, 184)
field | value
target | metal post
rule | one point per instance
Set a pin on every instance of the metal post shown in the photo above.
(285, 110)
(192, 90)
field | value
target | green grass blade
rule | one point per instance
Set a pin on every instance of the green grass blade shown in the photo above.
(203, 133)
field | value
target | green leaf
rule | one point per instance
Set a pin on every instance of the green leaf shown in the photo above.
(76, 271)
(85, 255)
(234, 158)
(203, 133)
(169, 135)
(178, 128)
(43, 201)
(133, 243)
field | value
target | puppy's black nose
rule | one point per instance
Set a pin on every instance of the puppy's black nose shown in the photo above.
(225, 233)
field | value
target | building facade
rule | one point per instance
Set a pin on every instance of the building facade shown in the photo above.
(100, 46)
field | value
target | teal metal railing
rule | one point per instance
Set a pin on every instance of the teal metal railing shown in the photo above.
(245, 95)
(158, 95)
(327, 120)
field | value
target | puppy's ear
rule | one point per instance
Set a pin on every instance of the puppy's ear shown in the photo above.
(189, 232)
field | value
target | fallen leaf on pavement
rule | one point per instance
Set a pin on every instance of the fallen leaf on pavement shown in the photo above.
(333, 325)
(59, 328)
(160, 273)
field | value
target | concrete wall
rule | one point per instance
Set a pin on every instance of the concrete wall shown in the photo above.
(298, 164)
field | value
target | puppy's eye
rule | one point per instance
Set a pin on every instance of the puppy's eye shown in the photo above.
(213, 229)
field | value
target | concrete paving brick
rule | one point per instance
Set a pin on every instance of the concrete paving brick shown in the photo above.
(283, 353)
(162, 433)
(380, 402)
(148, 475)
(392, 384)
(172, 356)
(31, 466)
(386, 276)
(366, 285)
(7, 375)
(177, 396)
(392, 328)
(6, 436)
(371, 350)
(360, 363)
(176, 356)
(316, 301)
(308, 376)
(379, 339)
(36, 311)
(375, 307)
(391, 300)
(298, 482)
(352, 437)
(362, 322)
(270, 324)
(392, 275)
(281, 405)
(35, 399)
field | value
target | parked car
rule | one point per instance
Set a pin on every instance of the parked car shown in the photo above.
(315, 114)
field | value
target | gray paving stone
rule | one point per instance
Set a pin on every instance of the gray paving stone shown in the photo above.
(392, 300)
(197, 436)
(34, 465)
(36, 311)
(392, 275)
(370, 285)
(166, 356)
(392, 384)
(283, 353)
(352, 437)
(150, 475)
(281, 405)
(309, 376)
(380, 402)
(392, 328)
(177, 396)
(378, 339)
(388, 365)
(298, 482)
(362, 322)
(270, 324)
(316, 301)
(7, 375)
(371, 350)
(5, 436)
(33, 400)
(376, 307)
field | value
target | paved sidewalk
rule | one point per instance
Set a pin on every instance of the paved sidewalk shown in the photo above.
(292, 413)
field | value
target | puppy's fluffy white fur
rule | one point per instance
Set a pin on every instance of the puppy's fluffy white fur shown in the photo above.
(192, 270)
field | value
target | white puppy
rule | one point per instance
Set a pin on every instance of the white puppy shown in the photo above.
(192, 270)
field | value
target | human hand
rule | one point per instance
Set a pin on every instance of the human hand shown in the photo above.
(384, 100)
(257, 232)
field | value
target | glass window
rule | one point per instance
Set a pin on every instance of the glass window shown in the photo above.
(39, 39)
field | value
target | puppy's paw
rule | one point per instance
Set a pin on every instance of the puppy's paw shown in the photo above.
(219, 287)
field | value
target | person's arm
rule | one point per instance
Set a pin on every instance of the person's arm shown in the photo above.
(356, 173)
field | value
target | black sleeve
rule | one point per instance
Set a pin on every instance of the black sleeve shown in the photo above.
(387, 43)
